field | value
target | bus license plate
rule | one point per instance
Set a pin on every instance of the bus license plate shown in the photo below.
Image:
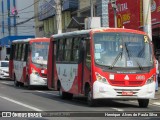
(127, 93)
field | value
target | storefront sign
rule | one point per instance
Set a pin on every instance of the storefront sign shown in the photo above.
(128, 14)
(155, 8)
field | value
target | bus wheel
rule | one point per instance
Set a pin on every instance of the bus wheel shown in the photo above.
(69, 96)
(90, 100)
(21, 84)
(143, 103)
(16, 83)
(65, 95)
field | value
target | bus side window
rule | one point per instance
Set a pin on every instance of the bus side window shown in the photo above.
(60, 50)
(26, 52)
(16, 52)
(75, 50)
(23, 52)
(12, 52)
(88, 55)
(19, 52)
(67, 49)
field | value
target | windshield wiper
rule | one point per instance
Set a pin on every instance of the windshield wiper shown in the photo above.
(116, 59)
(129, 55)
(127, 50)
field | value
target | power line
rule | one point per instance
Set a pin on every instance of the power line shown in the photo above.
(35, 16)
(28, 6)
(25, 12)
(6, 13)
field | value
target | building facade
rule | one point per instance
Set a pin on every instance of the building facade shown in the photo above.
(17, 22)
(25, 17)
(46, 22)
(17, 17)
(73, 14)
(39, 27)
(130, 15)
(7, 21)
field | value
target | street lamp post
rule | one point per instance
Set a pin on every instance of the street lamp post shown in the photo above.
(91, 3)
(114, 6)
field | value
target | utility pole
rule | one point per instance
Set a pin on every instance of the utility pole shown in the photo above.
(9, 20)
(147, 25)
(15, 17)
(58, 14)
(114, 6)
(3, 18)
(91, 3)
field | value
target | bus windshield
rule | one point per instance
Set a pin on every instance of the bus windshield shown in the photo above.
(122, 50)
(39, 51)
(4, 64)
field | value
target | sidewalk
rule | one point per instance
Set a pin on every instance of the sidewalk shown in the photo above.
(156, 100)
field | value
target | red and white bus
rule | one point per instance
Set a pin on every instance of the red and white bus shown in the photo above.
(28, 62)
(106, 63)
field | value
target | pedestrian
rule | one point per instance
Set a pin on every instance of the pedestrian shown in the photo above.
(157, 72)
(6, 58)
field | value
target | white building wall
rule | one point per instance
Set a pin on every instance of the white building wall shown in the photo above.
(25, 11)
(3, 53)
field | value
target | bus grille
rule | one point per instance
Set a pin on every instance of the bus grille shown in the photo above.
(126, 83)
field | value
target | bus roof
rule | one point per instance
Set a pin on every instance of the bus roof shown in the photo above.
(29, 39)
(82, 32)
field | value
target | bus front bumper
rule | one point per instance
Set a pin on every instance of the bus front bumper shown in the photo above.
(37, 80)
(104, 91)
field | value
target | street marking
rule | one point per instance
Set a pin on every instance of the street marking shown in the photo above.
(6, 83)
(118, 109)
(153, 104)
(47, 93)
(20, 103)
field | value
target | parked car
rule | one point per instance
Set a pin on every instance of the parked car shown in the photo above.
(4, 69)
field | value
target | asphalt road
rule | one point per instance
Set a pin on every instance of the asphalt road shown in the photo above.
(20, 99)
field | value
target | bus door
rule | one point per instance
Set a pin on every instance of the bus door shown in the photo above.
(11, 75)
(24, 57)
(86, 63)
(53, 63)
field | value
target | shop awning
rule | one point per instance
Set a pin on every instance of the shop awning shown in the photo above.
(6, 41)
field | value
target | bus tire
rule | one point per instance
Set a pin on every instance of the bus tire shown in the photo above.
(90, 100)
(16, 83)
(143, 103)
(69, 96)
(21, 84)
(65, 95)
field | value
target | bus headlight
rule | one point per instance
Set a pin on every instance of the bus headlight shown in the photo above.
(35, 72)
(101, 78)
(150, 80)
(1, 72)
